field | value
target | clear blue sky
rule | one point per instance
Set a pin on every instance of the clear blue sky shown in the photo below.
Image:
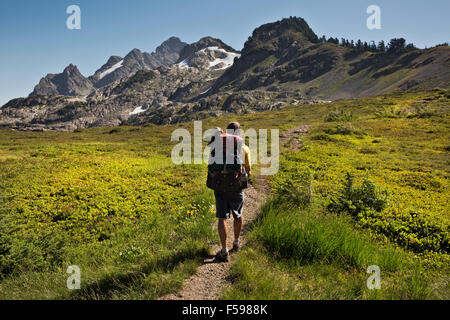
(35, 41)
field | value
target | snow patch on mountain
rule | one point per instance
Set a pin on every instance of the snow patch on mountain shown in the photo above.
(138, 110)
(111, 70)
(227, 61)
(183, 64)
(227, 58)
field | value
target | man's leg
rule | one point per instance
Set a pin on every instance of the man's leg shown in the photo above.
(237, 207)
(237, 224)
(222, 226)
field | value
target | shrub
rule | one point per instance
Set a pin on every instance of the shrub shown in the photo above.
(344, 129)
(323, 137)
(339, 115)
(423, 112)
(389, 112)
(418, 232)
(295, 185)
(115, 130)
(355, 199)
(368, 151)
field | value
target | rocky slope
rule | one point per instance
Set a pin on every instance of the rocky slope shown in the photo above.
(287, 56)
(165, 55)
(69, 83)
(113, 63)
(72, 83)
(282, 63)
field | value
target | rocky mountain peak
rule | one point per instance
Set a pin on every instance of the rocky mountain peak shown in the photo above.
(173, 44)
(116, 68)
(282, 32)
(113, 60)
(271, 30)
(206, 42)
(69, 83)
(113, 63)
(134, 53)
(169, 51)
(71, 69)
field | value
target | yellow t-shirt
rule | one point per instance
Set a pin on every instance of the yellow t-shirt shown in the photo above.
(247, 158)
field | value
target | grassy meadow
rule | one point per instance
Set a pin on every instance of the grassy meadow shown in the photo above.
(368, 187)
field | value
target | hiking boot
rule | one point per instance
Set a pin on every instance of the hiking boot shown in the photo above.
(222, 255)
(236, 245)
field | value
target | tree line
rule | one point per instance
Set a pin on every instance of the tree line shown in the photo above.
(394, 45)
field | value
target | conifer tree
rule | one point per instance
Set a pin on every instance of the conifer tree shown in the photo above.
(381, 46)
(359, 44)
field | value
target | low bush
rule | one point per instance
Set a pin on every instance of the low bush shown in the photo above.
(323, 137)
(423, 112)
(368, 204)
(344, 129)
(390, 112)
(115, 130)
(418, 232)
(294, 184)
(355, 199)
(339, 116)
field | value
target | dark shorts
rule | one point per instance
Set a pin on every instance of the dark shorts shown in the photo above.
(226, 203)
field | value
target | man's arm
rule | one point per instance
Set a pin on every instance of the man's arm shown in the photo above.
(247, 163)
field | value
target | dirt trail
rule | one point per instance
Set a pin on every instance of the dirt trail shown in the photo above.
(211, 277)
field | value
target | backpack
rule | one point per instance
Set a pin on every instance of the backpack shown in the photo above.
(227, 177)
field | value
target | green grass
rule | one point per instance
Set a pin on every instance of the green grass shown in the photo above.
(256, 274)
(111, 201)
(307, 253)
(140, 261)
(304, 237)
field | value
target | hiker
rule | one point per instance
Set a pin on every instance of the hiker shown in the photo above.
(228, 175)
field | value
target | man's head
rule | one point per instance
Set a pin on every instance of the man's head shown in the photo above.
(234, 128)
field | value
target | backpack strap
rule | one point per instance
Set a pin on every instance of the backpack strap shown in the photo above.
(236, 140)
(235, 146)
